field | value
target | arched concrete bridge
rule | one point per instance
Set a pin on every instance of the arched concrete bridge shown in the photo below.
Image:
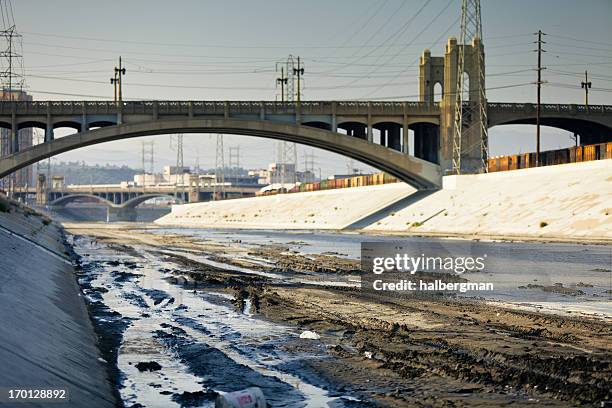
(346, 128)
(131, 203)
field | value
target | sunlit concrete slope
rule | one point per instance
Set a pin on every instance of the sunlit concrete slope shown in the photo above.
(329, 209)
(570, 201)
(46, 337)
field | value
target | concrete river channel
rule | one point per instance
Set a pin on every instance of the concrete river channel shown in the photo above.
(174, 340)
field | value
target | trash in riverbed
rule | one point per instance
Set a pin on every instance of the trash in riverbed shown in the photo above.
(252, 397)
(309, 335)
(368, 354)
(148, 366)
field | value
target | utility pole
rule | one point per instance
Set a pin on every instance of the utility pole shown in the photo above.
(586, 85)
(119, 72)
(539, 84)
(282, 81)
(299, 71)
(114, 82)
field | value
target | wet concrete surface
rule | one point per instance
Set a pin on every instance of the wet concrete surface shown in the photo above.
(46, 338)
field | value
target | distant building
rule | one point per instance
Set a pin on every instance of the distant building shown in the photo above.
(23, 177)
(57, 182)
(148, 179)
(306, 176)
(176, 175)
(281, 173)
(261, 175)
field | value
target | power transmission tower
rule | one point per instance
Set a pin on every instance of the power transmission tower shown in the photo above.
(148, 156)
(539, 85)
(12, 71)
(291, 72)
(12, 78)
(219, 186)
(470, 114)
(179, 167)
(234, 160)
(309, 165)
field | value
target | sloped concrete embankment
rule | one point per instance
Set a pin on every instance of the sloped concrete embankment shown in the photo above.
(569, 201)
(564, 202)
(46, 338)
(320, 210)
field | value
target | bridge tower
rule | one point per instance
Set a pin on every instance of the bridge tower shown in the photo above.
(463, 137)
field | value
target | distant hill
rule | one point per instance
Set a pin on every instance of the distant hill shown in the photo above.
(81, 173)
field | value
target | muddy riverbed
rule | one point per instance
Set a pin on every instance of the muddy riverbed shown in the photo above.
(182, 317)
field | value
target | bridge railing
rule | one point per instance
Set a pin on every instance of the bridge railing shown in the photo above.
(209, 107)
(551, 108)
(269, 107)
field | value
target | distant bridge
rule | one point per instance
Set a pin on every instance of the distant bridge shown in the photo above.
(121, 196)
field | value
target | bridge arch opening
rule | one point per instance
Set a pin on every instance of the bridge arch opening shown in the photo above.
(466, 93)
(516, 139)
(65, 128)
(100, 124)
(318, 125)
(30, 124)
(389, 134)
(559, 132)
(63, 200)
(425, 143)
(438, 92)
(355, 129)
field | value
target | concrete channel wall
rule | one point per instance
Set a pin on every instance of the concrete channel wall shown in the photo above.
(46, 337)
(564, 202)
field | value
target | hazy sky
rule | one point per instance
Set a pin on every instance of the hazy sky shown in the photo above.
(350, 48)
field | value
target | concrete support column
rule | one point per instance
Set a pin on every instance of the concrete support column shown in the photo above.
(405, 131)
(226, 110)
(84, 126)
(262, 111)
(370, 132)
(49, 133)
(155, 110)
(190, 109)
(14, 134)
(334, 122)
(49, 128)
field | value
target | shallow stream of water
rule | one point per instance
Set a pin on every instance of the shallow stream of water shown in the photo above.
(199, 339)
